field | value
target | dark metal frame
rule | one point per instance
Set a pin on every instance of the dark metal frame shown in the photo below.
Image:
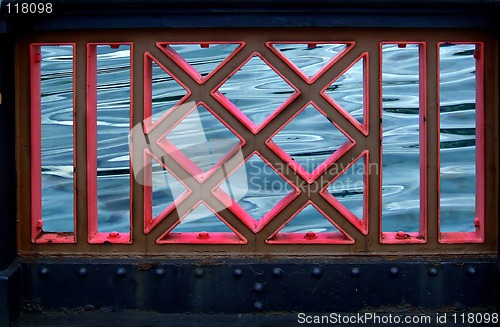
(258, 284)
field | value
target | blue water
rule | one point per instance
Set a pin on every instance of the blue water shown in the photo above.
(252, 91)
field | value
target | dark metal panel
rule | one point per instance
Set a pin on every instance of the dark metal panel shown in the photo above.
(10, 293)
(7, 161)
(245, 286)
(81, 14)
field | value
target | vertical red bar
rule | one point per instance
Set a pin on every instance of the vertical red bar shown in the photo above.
(38, 235)
(422, 84)
(478, 220)
(92, 140)
(94, 235)
(36, 151)
(404, 236)
(480, 176)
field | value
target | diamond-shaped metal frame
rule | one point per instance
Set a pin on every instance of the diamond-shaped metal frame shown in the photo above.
(363, 128)
(185, 161)
(240, 115)
(298, 168)
(201, 237)
(149, 125)
(310, 238)
(241, 213)
(360, 223)
(187, 67)
(151, 222)
(311, 79)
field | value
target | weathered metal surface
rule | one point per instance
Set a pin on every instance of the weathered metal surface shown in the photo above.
(273, 285)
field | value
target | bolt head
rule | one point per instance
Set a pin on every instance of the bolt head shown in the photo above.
(433, 271)
(113, 235)
(82, 271)
(355, 271)
(258, 305)
(277, 272)
(203, 236)
(316, 272)
(400, 235)
(394, 271)
(44, 271)
(121, 272)
(258, 287)
(198, 272)
(310, 235)
(471, 270)
(159, 272)
(237, 272)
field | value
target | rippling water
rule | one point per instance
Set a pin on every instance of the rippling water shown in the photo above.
(309, 139)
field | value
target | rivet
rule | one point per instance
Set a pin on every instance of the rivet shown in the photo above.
(44, 271)
(316, 272)
(477, 54)
(159, 272)
(203, 235)
(204, 45)
(401, 45)
(471, 270)
(121, 272)
(400, 235)
(311, 45)
(277, 272)
(355, 271)
(114, 46)
(237, 272)
(39, 224)
(433, 271)
(258, 305)
(310, 235)
(113, 235)
(258, 287)
(394, 271)
(198, 272)
(82, 271)
(89, 307)
(477, 223)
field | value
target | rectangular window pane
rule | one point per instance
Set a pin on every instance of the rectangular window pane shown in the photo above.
(457, 103)
(401, 155)
(113, 126)
(56, 113)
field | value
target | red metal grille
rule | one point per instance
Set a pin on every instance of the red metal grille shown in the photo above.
(309, 187)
